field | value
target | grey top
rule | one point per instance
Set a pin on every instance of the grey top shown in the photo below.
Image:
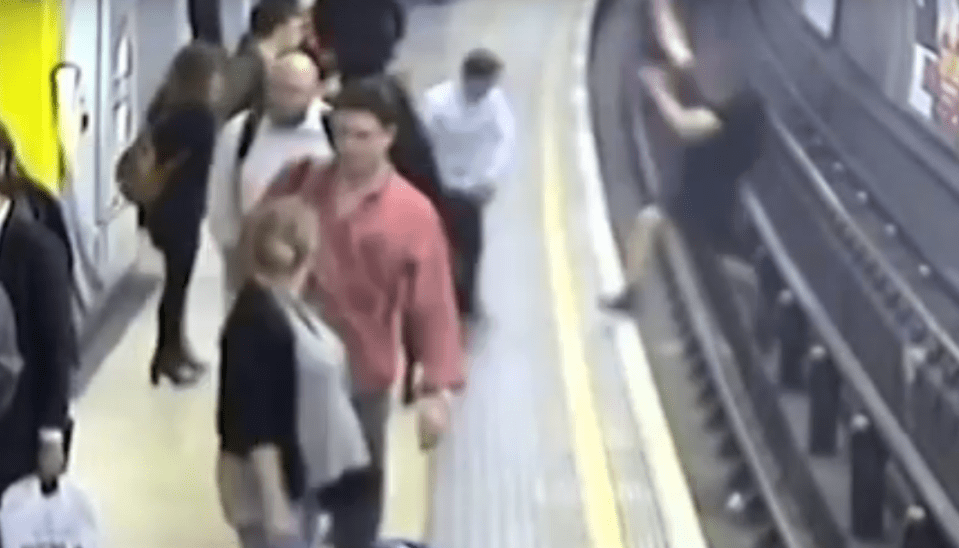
(329, 433)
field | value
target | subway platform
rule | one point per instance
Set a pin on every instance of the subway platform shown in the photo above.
(559, 440)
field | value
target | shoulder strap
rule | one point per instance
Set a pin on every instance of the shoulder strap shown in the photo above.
(248, 134)
(299, 175)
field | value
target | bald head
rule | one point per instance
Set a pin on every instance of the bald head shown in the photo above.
(293, 83)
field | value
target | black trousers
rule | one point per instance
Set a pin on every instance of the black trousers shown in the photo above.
(205, 21)
(356, 501)
(179, 261)
(466, 215)
(706, 248)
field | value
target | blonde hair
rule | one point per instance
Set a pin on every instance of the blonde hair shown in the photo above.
(279, 238)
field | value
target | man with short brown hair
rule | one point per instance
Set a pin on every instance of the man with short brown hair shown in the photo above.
(386, 262)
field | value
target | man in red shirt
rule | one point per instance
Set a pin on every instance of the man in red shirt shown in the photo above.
(384, 261)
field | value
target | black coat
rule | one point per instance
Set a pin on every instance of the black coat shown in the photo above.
(363, 33)
(34, 272)
(174, 220)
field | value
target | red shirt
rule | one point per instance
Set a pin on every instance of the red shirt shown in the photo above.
(384, 262)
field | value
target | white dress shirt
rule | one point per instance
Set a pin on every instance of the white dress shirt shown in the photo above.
(273, 147)
(473, 142)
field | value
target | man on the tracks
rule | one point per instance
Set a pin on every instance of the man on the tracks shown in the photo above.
(722, 134)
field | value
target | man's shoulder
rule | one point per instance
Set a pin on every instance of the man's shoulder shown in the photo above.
(410, 202)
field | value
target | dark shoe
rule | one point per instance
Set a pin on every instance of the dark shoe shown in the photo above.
(176, 368)
(624, 302)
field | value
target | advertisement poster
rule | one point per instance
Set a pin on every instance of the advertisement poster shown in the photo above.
(934, 91)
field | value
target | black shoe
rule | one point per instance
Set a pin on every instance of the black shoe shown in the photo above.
(181, 371)
(623, 302)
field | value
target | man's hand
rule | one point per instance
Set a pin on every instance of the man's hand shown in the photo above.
(52, 459)
(434, 418)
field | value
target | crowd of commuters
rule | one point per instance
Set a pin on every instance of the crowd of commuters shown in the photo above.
(349, 221)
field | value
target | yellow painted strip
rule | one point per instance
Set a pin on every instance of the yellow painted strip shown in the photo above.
(598, 495)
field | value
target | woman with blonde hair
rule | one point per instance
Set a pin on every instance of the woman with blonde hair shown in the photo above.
(287, 427)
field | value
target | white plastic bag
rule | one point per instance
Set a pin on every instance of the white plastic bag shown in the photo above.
(62, 519)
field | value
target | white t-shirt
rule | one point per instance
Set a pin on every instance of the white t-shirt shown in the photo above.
(272, 148)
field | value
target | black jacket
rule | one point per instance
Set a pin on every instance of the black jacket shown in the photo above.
(35, 274)
(176, 217)
(363, 33)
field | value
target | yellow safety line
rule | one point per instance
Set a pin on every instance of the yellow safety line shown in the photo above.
(599, 498)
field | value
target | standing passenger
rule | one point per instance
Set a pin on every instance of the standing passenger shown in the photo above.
(35, 274)
(363, 35)
(387, 263)
(473, 132)
(287, 429)
(205, 21)
(276, 27)
(251, 150)
(184, 126)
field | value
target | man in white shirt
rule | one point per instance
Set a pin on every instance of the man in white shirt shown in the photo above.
(251, 150)
(473, 132)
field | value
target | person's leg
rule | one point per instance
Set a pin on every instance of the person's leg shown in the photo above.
(172, 357)
(639, 246)
(358, 508)
(472, 253)
(205, 21)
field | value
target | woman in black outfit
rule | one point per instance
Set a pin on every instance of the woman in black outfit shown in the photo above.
(288, 432)
(184, 126)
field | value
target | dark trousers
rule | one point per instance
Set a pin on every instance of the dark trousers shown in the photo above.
(205, 21)
(466, 216)
(356, 502)
(179, 261)
(706, 248)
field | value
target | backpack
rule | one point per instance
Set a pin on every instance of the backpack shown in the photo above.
(11, 362)
(140, 178)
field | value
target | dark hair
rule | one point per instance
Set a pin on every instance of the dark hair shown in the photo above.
(190, 73)
(372, 94)
(14, 179)
(482, 63)
(269, 15)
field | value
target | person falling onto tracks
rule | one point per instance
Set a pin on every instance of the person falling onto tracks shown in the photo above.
(721, 135)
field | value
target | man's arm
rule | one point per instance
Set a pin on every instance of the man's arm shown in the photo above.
(671, 35)
(503, 153)
(431, 309)
(57, 346)
(690, 123)
(222, 207)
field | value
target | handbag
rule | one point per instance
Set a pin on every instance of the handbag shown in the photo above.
(29, 517)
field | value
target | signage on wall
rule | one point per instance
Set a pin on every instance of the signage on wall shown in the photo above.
(934, 90)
